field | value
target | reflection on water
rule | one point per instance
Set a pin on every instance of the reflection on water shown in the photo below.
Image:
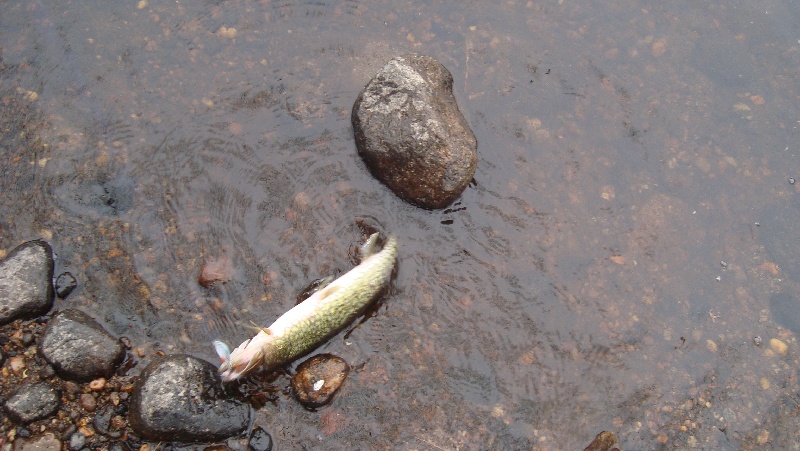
(576, 286)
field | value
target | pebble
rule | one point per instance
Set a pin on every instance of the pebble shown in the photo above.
(778, 346)
(318, 379)
(17, 364)
(65, 284)
(88, 402)
(97, 384)
(47, 441)
(77, 441)
(604, 441)
(260, 440)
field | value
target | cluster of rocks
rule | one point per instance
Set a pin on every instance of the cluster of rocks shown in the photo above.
(60, 386)
(65, 369)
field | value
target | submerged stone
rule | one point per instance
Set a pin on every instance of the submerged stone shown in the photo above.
(318, 379)
(26, 282)
(786, 311)
(411, 134)
(79, 348)
(604, 441)
(260, 440)
(181, 399)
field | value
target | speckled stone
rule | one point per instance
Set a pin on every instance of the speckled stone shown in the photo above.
(411, 134)
(180, 398)
(79, 348)
(33, 402)
(26, 282)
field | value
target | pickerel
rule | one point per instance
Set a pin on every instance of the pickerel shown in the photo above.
(311, 322)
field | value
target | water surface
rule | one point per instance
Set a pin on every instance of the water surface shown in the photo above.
(610, 267)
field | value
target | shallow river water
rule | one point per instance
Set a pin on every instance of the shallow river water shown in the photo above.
(626, 258)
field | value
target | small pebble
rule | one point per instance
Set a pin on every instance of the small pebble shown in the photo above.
(260, 440)
(711, 345)
(65, 284)
(778, 346)
(17, 364)
(97, 384)
(88, 402)
(118, 422)
(791, 180)
(723, 263)
(27, 338)
(77, 441)
(757, 340)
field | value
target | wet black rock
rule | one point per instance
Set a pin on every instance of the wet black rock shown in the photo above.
(79, 348)
(260, 440)
(33, 402)
(318, 379)
(102, 421)
(180, 398)
(65, 283)
(411, 134)
(26, 282)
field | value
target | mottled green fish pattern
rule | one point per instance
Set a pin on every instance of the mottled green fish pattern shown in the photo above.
(311, 322)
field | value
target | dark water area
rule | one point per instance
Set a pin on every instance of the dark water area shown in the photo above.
(614, 265)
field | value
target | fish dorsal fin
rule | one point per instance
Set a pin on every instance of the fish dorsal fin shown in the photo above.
(370, 247)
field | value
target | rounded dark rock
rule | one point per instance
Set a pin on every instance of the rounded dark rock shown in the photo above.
(26, 282)
(33, 402)
(260, 440)
(411, 134)
(318, 379)
(180, 398)
(65, 283)
(79, 348)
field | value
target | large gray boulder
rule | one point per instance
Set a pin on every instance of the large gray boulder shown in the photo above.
(181, 399)
(411, 134)
(26, 282)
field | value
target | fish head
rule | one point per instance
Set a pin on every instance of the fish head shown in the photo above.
(244, 359)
